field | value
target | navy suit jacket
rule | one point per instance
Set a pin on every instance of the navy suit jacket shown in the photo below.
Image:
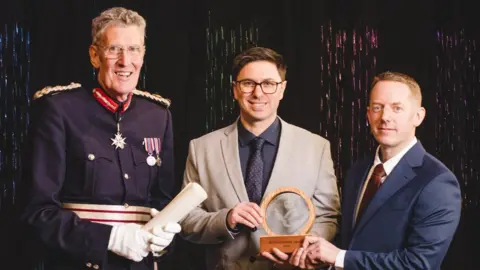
(411, 220)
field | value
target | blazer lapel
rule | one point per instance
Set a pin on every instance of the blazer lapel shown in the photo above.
(231, 158)
(398, 178)
(357, 190)
(284, 153)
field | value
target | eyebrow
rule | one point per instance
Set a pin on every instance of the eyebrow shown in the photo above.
(394, 103)
(264, 80)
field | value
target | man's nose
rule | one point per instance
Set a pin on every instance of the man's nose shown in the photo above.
(257, 91)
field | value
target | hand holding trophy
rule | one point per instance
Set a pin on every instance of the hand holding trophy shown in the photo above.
(288, 215)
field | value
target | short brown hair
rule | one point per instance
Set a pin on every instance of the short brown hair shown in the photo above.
(258, 54)
(118, 16)
(402, 78)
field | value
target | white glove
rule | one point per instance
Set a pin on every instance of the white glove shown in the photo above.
(162, 235)
(130, 241)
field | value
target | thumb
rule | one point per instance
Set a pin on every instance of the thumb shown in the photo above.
(154, 212)
(309, 240)
(172, 227)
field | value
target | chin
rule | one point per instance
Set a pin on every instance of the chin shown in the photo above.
(384, 139)
(125, 89)
(388, 143)
(259, 118)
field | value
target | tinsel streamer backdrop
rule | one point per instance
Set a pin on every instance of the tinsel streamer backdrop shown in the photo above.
(348, 62)
(14, 102)
(457, 117)
(223, 42)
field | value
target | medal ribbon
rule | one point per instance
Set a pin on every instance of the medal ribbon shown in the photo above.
(158, 146)
(148, 145)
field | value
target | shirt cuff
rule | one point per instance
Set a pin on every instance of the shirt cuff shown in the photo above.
(232, 232)
(339, 260)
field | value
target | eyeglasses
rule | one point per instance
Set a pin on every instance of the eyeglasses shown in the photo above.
(248, 86)
(115, 51)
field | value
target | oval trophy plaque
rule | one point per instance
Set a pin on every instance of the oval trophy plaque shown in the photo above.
(288, 215)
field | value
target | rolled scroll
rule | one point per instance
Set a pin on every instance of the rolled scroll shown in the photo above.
(189, 198)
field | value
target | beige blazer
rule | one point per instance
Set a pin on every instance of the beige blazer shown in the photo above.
(303, 160)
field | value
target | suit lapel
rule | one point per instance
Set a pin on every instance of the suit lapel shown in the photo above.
(231, 158)
(357, 189)
(352, 186)
(401, 175)
(284, 153)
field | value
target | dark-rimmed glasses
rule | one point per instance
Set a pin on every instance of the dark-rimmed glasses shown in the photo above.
(248, 86)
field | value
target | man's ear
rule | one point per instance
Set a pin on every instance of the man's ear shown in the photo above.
(94, 56)
(419, 116)
(283, 86)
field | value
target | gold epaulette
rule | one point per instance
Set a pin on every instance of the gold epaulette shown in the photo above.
(154, 97)
(55, 89)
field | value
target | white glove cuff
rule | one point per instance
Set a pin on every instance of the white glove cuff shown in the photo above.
(111, 241)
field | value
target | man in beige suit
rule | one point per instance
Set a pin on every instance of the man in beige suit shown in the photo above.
(239, 164)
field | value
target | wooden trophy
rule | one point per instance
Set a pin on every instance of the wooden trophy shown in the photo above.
(288, 215)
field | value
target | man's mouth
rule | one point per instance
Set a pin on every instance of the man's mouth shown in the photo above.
(258, 105)
(124, 74)
(386, 129)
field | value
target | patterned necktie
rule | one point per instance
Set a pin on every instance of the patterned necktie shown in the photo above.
(373, 185)
(254, 180)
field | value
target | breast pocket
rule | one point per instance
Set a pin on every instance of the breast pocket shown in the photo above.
(102, 171)
(144, 173)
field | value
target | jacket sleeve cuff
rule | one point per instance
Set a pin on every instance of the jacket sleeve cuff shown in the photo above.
(97, 244)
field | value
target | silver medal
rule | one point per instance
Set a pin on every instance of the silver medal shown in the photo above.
(151, 161)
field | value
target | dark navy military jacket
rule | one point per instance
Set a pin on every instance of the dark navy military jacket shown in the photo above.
(70, 158)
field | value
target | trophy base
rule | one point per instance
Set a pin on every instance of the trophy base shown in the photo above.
(285, 243)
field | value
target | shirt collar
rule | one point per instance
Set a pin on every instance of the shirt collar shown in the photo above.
(390, 164)
(271, 134)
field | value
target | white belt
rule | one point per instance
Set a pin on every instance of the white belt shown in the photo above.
(110, 214)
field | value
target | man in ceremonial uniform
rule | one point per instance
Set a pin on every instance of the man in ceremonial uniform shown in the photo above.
(100, 159)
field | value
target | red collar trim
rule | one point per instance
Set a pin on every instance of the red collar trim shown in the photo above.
(107, 102)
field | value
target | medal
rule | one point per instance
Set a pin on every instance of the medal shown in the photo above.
(118, 140)
(153, 146)
(157, 150)
(117, 108)
(149, 148)
(151, 160)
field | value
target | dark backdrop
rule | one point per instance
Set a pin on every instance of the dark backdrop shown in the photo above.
(332, 48)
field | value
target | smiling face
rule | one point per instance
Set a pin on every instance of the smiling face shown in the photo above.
(257, 107)
(118, 74)
(393, 115)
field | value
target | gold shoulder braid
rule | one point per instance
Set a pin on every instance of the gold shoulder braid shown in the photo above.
(154, 97)
(52, 90)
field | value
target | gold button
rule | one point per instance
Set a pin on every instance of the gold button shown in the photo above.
(126, 176)
(95, 266)
(126, 205)
(91, 156)
(89, 265)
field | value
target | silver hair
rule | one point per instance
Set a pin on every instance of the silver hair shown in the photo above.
(117, 16)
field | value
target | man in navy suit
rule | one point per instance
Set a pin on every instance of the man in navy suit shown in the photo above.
(400, 207)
